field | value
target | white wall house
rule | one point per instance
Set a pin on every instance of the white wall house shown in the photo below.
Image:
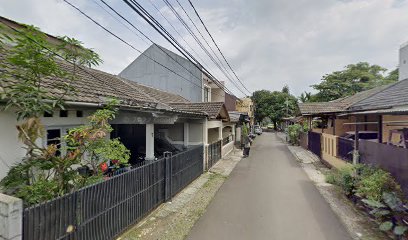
(403, 61)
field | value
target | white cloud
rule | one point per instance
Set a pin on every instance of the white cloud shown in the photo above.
(269, 42)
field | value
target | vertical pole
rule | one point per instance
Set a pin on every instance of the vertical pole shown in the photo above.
(356, 143)
(380, 129)
(334, 124)
(149, 141)
(186, 135)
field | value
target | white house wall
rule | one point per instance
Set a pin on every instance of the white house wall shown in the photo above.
(11, 150)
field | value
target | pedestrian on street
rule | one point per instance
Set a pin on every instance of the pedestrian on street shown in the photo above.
(247, 145)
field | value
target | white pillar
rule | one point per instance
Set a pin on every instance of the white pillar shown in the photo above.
(205, 143)
(220, 133)
(186, 134)
(150, 141)
(233, 133)
(11, 217)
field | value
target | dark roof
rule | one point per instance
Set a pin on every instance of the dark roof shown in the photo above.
(215, 110)
(339, 105)
(95, 86)
(393, 95)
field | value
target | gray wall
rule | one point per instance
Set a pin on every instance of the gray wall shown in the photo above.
(403, 62)
(147, 72)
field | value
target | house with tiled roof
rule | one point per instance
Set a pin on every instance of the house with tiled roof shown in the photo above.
(191, 81)
(370, 127)
(149, 122)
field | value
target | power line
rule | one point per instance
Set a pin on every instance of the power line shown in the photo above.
(127, 21)
(162, 31)
(199, 43)
(205, 40)
(206, 29)
(128, 44)
(178, 33)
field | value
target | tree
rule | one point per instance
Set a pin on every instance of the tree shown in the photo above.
(305, 97)
(392, 76)
(285, 89)
(274, 105)
(354, 78)
(27, 66)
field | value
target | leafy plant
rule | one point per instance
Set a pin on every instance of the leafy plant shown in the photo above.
(294, 132)
(29, 62)
(373, 185)
(390, 211)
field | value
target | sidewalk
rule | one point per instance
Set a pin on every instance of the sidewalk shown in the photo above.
(358, 225)
(173, 220)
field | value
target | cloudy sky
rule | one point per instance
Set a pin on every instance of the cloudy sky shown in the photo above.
(269, 43)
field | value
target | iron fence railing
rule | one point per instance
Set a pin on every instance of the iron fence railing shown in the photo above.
(214, 153)
(345, 150)
(105, 209)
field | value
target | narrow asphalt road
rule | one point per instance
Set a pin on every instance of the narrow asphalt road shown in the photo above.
(268, 196)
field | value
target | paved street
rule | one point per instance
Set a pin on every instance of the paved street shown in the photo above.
(268, 196)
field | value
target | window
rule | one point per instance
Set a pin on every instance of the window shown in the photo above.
(206, 94)
(63, 113)
(47, 114)
(79, 113)
(54, 137)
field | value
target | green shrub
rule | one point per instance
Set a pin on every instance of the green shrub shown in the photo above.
(347, 180)
(294, 133)
(373, 183)
(332, 178)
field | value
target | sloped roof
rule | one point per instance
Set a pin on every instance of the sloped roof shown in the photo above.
(321, 107)
(95, 86)
(339, 105)
(393, 95)
(215, 110)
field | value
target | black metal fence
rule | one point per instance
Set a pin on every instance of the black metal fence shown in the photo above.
(214, 153)
(314, 143)
(345, 149)
(104, 210)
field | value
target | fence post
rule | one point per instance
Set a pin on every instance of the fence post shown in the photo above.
(167, 176)
(11, 217)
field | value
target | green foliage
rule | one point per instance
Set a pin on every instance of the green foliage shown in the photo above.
(29, 62)
(44, 174)
(347, 180)
(373, 186)
(274, 105)
(294, 132)
(245, 130)
(380, 193)
(354, 78)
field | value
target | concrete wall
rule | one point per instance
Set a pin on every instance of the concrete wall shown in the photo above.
(212, 135)
(143, 70)
(217, 95)
(195, 133)
(174, 131)
(403, 62)
(11, 218)
(11, 150)
(226, 131)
